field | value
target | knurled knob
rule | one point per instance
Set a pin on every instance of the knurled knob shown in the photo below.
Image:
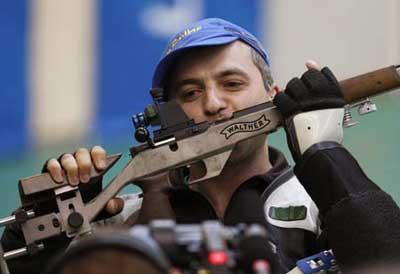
(75, 220)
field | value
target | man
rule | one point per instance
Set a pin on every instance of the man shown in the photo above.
(213, 68)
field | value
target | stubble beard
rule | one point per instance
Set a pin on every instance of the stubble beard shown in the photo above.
(244, 152)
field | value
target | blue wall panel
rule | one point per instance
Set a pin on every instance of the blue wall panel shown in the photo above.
(13, 30)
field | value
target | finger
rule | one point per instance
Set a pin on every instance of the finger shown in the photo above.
(296, 89)
(99, 157)
(115, 206)
(285, 104)
(70, 166)
(55, 171)
(311, 64)
(335, 89)
(316, 83)
(329, 75)
(85, 164)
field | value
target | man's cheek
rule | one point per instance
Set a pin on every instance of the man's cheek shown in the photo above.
(248, 100)
(193, 112)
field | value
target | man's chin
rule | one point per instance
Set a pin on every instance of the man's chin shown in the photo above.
(247, 150)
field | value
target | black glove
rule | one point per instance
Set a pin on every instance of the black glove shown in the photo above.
(312, 109)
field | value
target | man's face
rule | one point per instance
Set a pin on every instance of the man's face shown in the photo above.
(213, 82)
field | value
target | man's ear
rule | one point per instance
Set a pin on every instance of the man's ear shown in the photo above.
(273, 90)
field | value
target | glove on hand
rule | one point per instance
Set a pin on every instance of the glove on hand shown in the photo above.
(312, 109)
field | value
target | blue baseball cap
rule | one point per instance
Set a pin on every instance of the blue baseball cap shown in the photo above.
(206, 32)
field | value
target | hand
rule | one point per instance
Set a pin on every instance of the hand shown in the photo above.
(76, 168)
(156, 183)
(155, 204)
(312, 109)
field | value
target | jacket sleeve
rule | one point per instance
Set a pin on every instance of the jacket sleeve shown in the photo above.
(361, 222)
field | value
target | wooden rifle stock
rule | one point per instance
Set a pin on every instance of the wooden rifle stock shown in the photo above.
(370, 84)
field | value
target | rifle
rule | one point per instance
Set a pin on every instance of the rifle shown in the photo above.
(199, 150)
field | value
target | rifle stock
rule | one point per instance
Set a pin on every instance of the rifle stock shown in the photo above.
(370, 84)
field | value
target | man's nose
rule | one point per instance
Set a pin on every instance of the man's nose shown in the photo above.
(214, 103)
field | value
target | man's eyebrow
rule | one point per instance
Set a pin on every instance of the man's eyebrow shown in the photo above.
(187, 81)
(221, 74)
(175, 87)
(233, 71)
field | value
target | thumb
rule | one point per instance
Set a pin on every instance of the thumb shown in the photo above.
(285, 104)
(311, 64)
